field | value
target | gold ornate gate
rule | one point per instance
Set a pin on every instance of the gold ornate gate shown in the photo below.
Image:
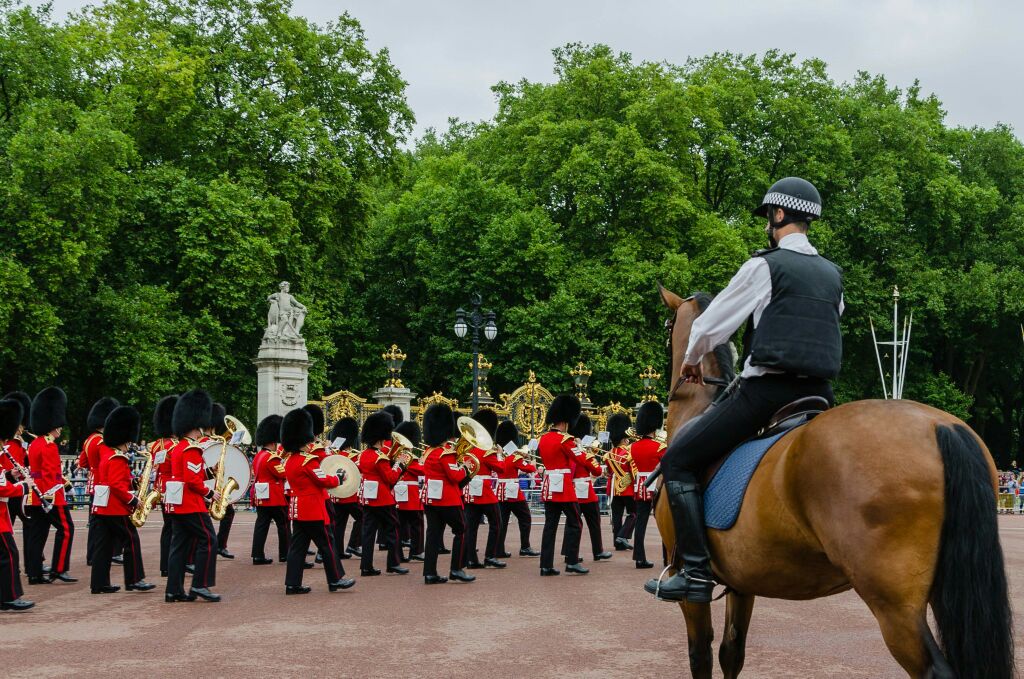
(527, 406)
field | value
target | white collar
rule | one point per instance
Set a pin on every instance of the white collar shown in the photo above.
(798, 242)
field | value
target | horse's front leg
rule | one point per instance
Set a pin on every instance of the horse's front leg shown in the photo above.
(699, 635)
(738, 608)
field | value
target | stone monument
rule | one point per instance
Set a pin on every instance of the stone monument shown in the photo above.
(282, 365)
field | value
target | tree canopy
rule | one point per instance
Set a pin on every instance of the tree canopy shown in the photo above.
(166, 162)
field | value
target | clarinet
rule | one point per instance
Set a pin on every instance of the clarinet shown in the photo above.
(47, 505)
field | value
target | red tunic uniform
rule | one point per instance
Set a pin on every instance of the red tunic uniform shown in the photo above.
(115, 472)
(89, 458)
(160, 450)
(17, 450)
(622, 456)
(44, 461)
(440, 465)
(508, 484)
(645, 454)
(8, 489)
(558, 455)
(309, 484)
(490, 467)
(584, 470)
(412, 477)
(188, 469)
(376, 466)
(269, 468)
(354, 497)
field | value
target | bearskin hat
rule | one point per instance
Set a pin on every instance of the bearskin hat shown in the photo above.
(10, 418)
(583, 426)
(506, 432)
(317, 413)
(268, 431)
(123, 425)
(26, 405)
(377, 427)
(297, 430)
(617, 426)
(564, 408)
(99, 411)
(410, 430)
(438, 424)
(488, 418)
(162, 416)
(217, 415)
(396, 413)
(649, 418)
(346, 428)
(49, 411)
(193, 410)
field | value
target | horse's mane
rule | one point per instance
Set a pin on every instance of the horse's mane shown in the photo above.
(723, 352)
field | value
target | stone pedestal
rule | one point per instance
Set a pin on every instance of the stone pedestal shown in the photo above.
(400, 397)
(282, 374)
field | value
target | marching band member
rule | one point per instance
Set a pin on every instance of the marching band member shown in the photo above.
(376, 494)
(220, 428)
(398, 417)
(17, 450)
(113, 503)
(645, 455)
(480, 499)
(410, 506)
(622, 500)
(584, 470)
(347, 429)
(442, 474)
(10, 578)
(47, 419)
(160, 449)
(558, 454)
(307, 506)
(510, 496)
(268, 492)
(89, 459)
(320, 449)
(186, 499)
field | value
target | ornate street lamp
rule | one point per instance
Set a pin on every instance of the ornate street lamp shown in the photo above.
(393, 359)
(650, 382)
(483, 366)
(475, 320)
(580, 377)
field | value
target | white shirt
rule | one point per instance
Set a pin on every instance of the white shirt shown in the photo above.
(748, 293)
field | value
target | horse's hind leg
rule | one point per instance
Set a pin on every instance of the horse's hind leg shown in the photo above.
(738, 608)
(699, 635)
(903, 621)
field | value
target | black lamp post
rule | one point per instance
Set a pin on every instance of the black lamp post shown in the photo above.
(476, 320)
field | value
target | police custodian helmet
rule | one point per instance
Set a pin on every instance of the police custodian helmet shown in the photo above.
(794, 195)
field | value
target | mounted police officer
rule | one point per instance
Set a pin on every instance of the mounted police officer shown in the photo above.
(791, 298)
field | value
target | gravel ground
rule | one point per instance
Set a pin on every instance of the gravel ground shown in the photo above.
(510, 623)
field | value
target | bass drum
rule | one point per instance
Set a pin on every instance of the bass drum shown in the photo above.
(342, 464)
(236, 466)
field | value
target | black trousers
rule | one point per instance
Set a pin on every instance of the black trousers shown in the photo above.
(10, 579)
(623, 505)
(643, 514)
(165, 540)
(732, 420)
(474, 514)
(187, 529)
(522, 511)
(591, 512)
(437, 518)
(355, 538)
(37, 529)
(411, 524)
(383, 523)
(224, 529)
(317, 532)
(91, 540)
(112, 532)
(553, 512)
(264, 517)
(342, 512)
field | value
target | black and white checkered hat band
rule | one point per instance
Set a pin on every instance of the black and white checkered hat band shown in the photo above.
(791, 203)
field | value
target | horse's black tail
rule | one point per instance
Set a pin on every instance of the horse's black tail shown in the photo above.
(969, 594)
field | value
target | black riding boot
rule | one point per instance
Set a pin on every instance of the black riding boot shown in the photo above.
(693, 580)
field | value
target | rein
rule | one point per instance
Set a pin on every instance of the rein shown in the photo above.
(670, 326)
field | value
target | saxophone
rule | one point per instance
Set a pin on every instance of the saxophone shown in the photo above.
(147, 497)
(218, 508)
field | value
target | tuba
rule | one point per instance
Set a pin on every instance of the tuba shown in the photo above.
(403, 451)
(148, 497)
(473, 435)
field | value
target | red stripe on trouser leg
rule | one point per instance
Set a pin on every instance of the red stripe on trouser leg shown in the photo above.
(61, 564)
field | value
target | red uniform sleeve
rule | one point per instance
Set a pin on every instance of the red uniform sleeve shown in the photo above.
(12, 489)
(119, 478)
(275, 467)
(590, 464)
(195, 472)
(318, 476)
(388, 473)
(454, 475)
(83, 459)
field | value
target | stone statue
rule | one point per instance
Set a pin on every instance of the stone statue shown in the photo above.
(285, 316)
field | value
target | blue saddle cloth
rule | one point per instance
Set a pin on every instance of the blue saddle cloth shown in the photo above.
(724, 495)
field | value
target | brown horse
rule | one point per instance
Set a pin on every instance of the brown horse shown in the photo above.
(891, 498)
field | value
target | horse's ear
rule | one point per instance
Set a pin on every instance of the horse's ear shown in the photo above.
(669, 298)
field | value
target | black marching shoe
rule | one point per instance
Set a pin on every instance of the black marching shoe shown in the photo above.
(504, 555)
(494, 563)
(319, 558)
(190, 568)
(444, 550)
(64, 577)
(118, 559)
(693, 580)
(17, 605)
(307, 565)
(474, 564)
(163, 574)
(204, 593)
(527, 551)
(434, 579)
(41, 580)
(398, 570)
(355, 551)
(406, 543)
(367, 573)
(461, 576)
(344, 555)
(301, 589)
(644, 564)
(172, 598)
(404, 559)
(622, 545)
(223, 551)
(576, 568)
(602, 556)
(550, 571)
(344, 583)
(417, 557)
(107, 589)
(140, 586)
(310, 552)
(262, 561)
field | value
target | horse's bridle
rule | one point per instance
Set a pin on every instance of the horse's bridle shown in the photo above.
(670, 326)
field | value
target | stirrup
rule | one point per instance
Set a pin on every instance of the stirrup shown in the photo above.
(661, 576)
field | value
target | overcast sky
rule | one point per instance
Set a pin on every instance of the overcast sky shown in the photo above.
(968, 53)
